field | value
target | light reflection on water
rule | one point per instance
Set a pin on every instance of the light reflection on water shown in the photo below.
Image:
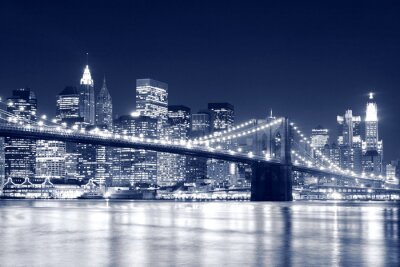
(129, 233)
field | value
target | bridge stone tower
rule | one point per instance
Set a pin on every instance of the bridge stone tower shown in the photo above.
(273, 182)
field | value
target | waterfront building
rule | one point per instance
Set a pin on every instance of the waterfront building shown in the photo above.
(20, 153)
(50, 159)
(104, 107)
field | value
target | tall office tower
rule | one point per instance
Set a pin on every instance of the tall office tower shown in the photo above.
(68, 106)
(68, 112)
(201, 124)
(196, 166)
(123, 159)
(50, 159)
(103, 162)
(104, 107)
(86, 162)
(391, 177)
(332, 152)
(372, 147)
(20, 153)
(152, 102)
(171, 168)
(222, 118)
(103, 121)
(133, 166)
(319, 137)
(349, 141)
(145, 167)
(86, 100)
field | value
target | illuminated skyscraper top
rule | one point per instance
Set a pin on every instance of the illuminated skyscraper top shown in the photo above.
(87, 77)
(372, 110)
(86, 99)
(371, 124)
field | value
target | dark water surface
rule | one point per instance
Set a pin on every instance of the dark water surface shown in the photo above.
(134, 233)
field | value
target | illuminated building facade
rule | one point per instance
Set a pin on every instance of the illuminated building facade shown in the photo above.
(222, 118)
(86, 100)
(196, 166)
(372, 147)
(50, 159)
(152, 103)
(171, 168)
(133, 166)
(319, 139)
(68, 106)
(349, 141)
(20, 153)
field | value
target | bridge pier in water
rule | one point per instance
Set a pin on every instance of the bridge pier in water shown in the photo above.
(273, 182)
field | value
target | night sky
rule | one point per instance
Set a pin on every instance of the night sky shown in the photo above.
(308, 61)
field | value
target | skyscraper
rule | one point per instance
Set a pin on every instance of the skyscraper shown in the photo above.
(151, 103)
(104, 107)
(50, 159)
(200, 126)
(152, 98)
(222, 118)
(87, 101)
(133, 166)
(349, 141)
(372, 147)
(172, 168)
(20, 153)
(68, 106)
(104, 120)
(319, 138)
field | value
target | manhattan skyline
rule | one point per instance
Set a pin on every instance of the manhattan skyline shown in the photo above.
(276, 60)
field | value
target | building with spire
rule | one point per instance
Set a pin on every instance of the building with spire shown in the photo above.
(86, 100)
(104, 107)
(372, 147)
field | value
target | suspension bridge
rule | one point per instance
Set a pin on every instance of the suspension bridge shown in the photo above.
(282, 151)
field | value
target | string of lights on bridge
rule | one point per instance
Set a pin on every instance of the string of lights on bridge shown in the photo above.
(244, 129)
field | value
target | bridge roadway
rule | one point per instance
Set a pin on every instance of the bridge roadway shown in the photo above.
(115, 140)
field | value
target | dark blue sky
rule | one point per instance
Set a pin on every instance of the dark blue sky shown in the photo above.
(307, 60)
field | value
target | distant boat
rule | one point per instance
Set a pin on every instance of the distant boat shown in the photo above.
(133, 194)
(91, 195)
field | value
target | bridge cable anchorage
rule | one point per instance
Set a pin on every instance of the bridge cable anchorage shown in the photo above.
(328, 161)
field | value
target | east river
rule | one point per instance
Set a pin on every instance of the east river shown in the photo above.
(137, 233)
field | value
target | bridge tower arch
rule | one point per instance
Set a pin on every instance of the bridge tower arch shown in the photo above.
(273, 182)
